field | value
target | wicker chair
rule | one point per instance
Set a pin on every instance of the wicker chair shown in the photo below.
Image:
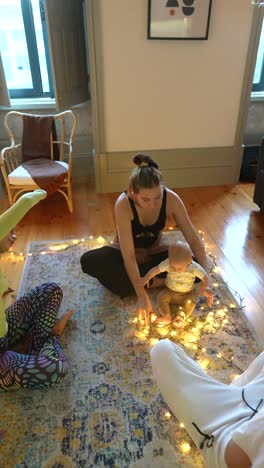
(17, 179)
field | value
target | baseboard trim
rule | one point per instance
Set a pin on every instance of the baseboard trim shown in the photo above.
(183, 167)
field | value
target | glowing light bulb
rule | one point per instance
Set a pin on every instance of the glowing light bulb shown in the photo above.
(185, 447)
(163, 331)
(181, 425)
(140, 335)
(167, 415)
(236, 376)
(221, 313)
(153, 341)
(58, 247)
(204, 363)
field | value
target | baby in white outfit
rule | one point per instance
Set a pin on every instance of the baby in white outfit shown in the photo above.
(179, 283)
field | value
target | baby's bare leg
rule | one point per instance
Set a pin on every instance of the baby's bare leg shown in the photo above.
(163, 302)
(189, 303)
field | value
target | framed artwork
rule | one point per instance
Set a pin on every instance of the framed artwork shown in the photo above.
(179, 19)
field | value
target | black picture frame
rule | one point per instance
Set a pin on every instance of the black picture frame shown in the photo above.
(179, 19)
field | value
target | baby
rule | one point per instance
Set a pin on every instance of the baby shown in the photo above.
(179, 283)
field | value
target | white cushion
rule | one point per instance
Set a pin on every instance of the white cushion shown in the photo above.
(20, 176)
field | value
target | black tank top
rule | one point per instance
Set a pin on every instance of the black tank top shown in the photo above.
(146, 236)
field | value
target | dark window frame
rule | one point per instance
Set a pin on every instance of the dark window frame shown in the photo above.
(37, 90)
(259, 86)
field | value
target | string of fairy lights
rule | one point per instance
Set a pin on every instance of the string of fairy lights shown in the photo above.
(204, 321)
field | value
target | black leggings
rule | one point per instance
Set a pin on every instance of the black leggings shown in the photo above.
(107, 265)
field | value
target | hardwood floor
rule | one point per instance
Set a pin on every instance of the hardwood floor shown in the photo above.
(233, 227)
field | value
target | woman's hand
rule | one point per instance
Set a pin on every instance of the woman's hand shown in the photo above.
(208, 293)
(144, 308)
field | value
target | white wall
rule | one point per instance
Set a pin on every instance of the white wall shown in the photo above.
(171, 94)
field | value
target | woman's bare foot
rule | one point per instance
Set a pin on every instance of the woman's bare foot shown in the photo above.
(60, 323)
(165, 320)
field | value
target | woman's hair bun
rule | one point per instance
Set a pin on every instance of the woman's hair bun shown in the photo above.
(144, 160)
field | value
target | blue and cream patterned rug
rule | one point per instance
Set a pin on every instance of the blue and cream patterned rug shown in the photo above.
(108, 411)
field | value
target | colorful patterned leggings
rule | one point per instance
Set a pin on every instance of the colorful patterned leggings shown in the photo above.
(33, 315)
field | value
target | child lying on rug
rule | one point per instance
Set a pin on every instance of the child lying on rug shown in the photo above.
(226, 422)
(179, 284)
(33, 314)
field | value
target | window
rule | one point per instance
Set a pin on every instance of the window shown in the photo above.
(24, 49)
(258, 80)
(43, 53)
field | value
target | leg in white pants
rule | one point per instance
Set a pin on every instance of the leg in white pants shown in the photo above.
(254, 370)
(194, 396)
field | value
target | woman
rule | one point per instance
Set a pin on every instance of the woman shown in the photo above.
(33, 315)
(226, 422)
(141, 214)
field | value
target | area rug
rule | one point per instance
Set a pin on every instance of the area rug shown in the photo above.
(108, 411)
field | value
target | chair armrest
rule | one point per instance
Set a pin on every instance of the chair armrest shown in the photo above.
(9, 148)
(4, 153)
(8, 158)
